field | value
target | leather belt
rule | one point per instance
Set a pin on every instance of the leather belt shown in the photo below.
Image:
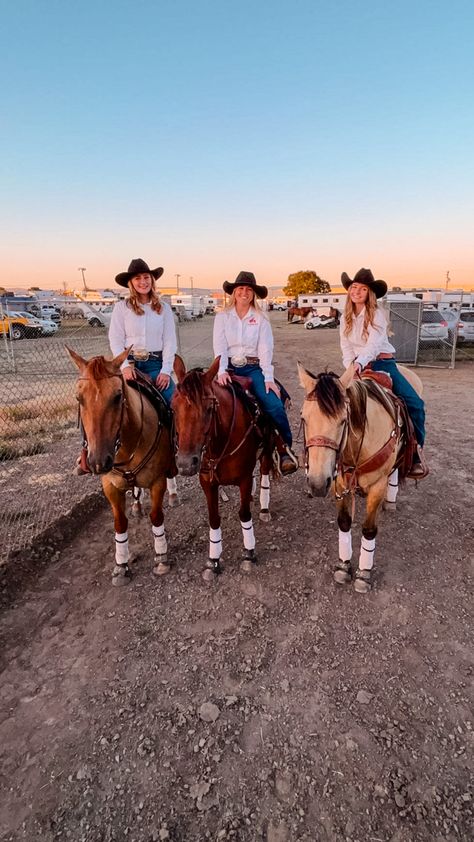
(143, 356)
(239, 362)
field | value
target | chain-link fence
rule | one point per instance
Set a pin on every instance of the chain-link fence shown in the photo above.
(39, 440)
(426, 336)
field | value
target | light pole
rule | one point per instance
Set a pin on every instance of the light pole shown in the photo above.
(177, 283)
(192, 281)
(447, 280)
(82, 269)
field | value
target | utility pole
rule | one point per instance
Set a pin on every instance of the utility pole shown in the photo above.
(192, 281)
(82, 269)
(447, 279)
(177, 283)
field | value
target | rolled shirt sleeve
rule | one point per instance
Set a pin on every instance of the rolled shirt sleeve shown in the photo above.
(169, 340)
(265, 349)
(219, 342)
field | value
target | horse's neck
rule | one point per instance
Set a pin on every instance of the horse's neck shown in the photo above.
(375, 433)
(138, 411)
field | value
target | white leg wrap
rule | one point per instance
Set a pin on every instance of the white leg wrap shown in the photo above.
(215, 543)
(248, 535)
(367, 552)
(265, 492)
(171, 486)
(392, 487)
(159, 536)
(345, 545)
(122, 553)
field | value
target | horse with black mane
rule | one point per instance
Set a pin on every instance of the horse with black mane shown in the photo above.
(128, 443)
(357, 438)
(219, 436)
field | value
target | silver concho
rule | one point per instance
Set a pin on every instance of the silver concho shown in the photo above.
(238, 362)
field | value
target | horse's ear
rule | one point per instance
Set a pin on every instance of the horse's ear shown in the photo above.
(77, 360)
(346, 379)
(307, 380)
(179, 368)
(212, 371)
(120, 358)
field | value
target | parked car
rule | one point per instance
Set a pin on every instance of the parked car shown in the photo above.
(47, 326)
(434, 327)
(280, 307)
(466, 326)
(17, 327)
(319, 322)
(100, 318)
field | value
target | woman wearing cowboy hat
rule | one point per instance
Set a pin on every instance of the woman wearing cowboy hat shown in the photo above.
(243, 340)
(147, 324)
(364, 340)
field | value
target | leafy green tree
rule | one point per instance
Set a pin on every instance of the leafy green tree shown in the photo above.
(303, 282)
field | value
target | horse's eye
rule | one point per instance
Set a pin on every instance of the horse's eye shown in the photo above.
(117, 398)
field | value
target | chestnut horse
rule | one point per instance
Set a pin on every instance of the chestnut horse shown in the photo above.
(301, 312)
(353, 440)
(218, 437)
(128, 446)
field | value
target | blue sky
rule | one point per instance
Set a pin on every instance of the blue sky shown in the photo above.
(209, 137)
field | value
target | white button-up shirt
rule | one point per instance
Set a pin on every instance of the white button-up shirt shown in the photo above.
(152, 331)
(248, 337)
(361, 350)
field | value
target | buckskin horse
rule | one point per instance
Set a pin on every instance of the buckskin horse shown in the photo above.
(128, 445)
(354, 439)
(219, 438)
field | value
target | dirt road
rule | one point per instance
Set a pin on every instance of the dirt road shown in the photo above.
(269, 706)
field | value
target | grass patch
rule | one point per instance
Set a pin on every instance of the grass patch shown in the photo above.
(9, 451)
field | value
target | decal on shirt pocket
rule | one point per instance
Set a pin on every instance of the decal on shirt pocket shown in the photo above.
(252, 321)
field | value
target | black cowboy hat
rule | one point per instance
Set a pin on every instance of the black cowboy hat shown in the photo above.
(137, 267)
(245, 279)
(364, 276)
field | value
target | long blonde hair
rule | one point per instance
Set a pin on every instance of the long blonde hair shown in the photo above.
(134, 303)
(369, 314)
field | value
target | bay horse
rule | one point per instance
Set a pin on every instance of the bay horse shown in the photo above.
(301, 312)
(353, 441)
(218, 437)
(128, 445)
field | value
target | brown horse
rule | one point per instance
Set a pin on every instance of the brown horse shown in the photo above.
(128, 445)
(218, 437)
(301, 312)
(353, 440)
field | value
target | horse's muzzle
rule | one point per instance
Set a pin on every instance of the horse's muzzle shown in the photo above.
(188, 465)
(319, 488)
(100, 466)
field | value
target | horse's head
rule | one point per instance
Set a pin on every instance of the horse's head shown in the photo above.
(324, 416)
(193, 405)
(100, 393)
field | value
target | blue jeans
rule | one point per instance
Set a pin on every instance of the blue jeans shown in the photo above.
(152, 368)
(269, 402)
(402, 388)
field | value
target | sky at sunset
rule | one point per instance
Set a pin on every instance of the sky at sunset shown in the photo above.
(209, 137)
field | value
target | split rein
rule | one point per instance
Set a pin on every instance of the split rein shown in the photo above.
(128, 475)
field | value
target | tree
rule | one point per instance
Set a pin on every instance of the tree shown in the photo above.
(303, 282)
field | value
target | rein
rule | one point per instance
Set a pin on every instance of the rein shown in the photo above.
(213, 463)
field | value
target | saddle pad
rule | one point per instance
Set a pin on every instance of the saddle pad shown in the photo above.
(143, 384)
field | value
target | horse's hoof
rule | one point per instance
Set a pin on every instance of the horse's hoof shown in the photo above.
(173, 501)
(265, 515)
(136, 510)
(248, 561)
(209, 575)
(121, 575)
(363, 581)
(343, 573)
(388, 506)
(162, 568)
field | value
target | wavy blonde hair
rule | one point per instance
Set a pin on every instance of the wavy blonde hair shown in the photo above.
(134, 303)
(369, 315)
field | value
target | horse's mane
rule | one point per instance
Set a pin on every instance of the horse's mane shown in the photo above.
(99, 367)
(330, 398)
(191, 385)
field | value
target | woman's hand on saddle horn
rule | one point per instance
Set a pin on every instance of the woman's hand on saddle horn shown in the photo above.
(224, 379)
(163, 380)
(270, 386)
(129, 372)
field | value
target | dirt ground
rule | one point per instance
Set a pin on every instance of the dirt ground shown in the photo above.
(271, 706)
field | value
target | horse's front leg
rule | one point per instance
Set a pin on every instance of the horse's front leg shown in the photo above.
(121, 574)
(246, 523)
(265, 466)
(213, 566)
(343, 570)
(157, 492)
(375, 497)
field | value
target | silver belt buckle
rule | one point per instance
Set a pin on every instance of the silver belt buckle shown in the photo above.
(238, 362)
(141, 355)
